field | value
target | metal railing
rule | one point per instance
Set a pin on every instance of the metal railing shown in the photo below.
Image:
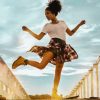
(7, 92)
(88, 86)
(10, 87)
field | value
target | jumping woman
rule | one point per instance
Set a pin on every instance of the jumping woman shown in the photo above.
(57, 51)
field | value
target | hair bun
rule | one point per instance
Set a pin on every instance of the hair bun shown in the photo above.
(55, 5)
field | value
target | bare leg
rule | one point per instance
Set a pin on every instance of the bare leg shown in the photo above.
(40, 65)
(45, 60)
(58, 70)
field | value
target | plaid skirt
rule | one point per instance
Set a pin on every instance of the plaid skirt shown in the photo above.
(62, 52)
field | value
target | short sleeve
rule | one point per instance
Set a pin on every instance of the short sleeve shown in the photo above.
(65, 26)
(45, 29)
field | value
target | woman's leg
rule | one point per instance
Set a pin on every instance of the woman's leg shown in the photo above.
(58, 70)
(40, 65)
(45, 60)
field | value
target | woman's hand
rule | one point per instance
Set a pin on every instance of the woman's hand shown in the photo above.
(24, 28)
(82, 22)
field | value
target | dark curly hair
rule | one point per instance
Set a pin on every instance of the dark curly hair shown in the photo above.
(54, 6)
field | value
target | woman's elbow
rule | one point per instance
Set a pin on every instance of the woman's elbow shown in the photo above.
(39, 38)
(70, 34)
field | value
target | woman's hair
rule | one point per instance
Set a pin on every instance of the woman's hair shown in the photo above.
(54, 6)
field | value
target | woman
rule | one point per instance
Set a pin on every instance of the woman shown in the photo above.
(57, 51)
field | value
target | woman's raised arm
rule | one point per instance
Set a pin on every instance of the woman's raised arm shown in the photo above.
(71, 32)
(39, 36)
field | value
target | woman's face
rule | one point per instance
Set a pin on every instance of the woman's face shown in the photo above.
(49, 15)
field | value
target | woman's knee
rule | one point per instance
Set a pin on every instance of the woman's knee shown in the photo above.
(42, 66)
(45, 60)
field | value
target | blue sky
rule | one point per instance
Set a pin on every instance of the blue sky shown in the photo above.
(14, 42)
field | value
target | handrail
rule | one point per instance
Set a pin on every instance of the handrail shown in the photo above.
(85, 87)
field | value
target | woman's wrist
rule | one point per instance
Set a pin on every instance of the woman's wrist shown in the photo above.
(79, 24)
(82, 22)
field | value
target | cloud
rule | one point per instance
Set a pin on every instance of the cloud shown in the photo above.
(86, 29)
(92, 1)
(5, 38)
(26, 72)
(95, 40)
(25, 41)
(29, 71)
(76, 72)
(88, 63)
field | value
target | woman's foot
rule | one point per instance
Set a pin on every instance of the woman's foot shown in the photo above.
(55, 96)
(18, 62)
(54, 93)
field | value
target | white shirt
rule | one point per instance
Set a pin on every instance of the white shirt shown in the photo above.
(56, 30)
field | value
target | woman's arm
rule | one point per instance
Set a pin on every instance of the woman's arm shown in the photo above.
(71, 32)
(39, 36)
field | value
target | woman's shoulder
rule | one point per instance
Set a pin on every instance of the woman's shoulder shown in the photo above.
(62, 21)
(46, 24)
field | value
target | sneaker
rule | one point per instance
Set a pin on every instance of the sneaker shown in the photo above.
(18, 62)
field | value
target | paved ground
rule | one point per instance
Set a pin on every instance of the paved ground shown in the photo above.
(48, 97)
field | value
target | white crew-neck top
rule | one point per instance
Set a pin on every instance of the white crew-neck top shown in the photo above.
(56, 30)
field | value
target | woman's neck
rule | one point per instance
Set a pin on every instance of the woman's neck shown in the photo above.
(54, 21)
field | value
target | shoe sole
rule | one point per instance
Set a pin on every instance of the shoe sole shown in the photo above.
(15, 62)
